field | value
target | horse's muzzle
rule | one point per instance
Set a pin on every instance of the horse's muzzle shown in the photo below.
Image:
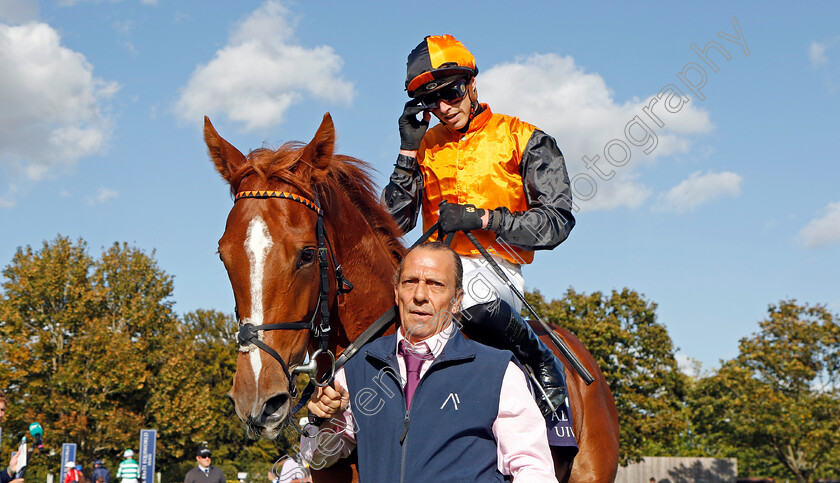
(268, 419)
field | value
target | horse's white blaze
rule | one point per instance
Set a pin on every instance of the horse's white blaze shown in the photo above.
(257, 244)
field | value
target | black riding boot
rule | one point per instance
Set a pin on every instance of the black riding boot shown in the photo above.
(496, 324)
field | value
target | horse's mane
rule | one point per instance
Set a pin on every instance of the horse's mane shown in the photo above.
(345, 174)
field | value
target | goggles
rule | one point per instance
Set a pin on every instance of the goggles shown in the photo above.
(449, 94)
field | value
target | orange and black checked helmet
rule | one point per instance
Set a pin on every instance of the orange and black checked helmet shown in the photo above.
(437, 58)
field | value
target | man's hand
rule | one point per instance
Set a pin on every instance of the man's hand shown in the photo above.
(13, 463)
(455, 217)
(329, 402)
(412, 129)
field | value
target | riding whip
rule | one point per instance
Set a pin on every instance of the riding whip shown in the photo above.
(570, 356)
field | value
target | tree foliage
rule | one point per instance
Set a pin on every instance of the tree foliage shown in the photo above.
(636, 355)
(777, 403)
(92, 349)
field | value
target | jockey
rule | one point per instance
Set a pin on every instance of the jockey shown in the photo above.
(496, 175)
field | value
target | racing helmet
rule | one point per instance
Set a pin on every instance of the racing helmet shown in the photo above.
(436, 62)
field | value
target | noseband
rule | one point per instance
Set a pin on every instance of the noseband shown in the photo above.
(249, 333)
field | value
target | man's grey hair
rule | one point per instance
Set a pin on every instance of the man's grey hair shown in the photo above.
(436, 246)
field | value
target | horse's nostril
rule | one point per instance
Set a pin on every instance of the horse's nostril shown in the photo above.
(276, 403)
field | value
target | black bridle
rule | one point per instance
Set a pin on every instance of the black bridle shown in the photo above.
(249, 333)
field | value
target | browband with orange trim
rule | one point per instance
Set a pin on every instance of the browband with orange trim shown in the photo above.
(278, 194)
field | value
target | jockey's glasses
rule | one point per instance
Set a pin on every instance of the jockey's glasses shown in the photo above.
(449, 94)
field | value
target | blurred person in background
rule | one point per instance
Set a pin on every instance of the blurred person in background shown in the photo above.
(73, 474)
(128, 471)
(99, 470)
(204, 472)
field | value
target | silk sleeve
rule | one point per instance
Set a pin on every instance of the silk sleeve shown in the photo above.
(402, 196)
(549, 219)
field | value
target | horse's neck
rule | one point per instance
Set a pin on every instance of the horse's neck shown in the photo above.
(367, 263)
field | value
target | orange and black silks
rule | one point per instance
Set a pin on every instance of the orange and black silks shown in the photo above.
(500, 163)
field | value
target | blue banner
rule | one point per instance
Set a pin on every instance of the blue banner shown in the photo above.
(148, 438)
(68, 453)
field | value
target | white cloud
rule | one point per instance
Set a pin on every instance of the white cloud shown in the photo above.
(52, 106)
(579, 110)
(699, 189)
(103, 195)
(691, 367)
(261, 72)
(688, 365)
(124, 27)
(823, 230)
(816, 52)
(18, 11)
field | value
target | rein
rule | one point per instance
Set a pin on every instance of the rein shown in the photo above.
(249, 333)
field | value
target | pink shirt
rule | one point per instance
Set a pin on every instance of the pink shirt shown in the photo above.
(520, 429)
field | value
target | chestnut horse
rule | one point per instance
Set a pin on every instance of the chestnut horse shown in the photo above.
(295, 198)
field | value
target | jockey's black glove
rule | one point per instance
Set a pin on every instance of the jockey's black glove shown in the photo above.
(455, 217)
(411, 128)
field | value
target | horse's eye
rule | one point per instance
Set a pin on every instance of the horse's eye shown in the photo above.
(306, 256)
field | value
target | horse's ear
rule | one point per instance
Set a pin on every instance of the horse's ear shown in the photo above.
(226, 157)
(318, 153)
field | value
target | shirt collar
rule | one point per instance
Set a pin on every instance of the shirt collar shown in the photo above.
(435, 342)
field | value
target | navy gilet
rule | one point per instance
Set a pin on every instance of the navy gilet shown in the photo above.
(448, 434)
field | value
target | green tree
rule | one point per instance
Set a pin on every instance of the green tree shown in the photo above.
(213, 334)
(90, 348)
(636, 355)
(778, 400)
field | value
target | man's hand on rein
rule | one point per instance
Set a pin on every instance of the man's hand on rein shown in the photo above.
(329, 401)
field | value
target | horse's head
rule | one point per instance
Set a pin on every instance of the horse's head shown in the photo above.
(270, 250)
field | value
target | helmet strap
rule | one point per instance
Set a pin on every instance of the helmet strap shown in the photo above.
(475, 107)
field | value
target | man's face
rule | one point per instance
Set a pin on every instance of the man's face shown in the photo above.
(456, 115)
(425, 293)
(203, 461)
(2, 410)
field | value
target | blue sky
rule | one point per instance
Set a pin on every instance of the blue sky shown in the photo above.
(726, 204)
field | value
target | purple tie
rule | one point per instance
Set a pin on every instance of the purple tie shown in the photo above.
(414, 358)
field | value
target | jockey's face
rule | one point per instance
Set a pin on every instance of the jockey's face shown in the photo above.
(456, 115)
(425, 293)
